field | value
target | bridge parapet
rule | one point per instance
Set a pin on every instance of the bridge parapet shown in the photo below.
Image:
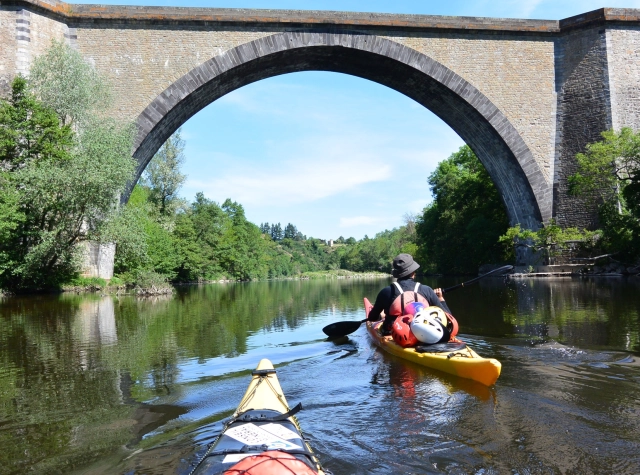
(309, 18)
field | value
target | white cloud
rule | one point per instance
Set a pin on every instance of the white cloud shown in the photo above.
(358, 221)
(305, 179)
(321, 164)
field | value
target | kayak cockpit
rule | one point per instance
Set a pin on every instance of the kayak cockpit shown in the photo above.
(262, 437)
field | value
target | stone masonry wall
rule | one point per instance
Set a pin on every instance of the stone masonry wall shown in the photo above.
(515, 73)
(23, 36)
(583, 113)
(143, 62)
(8, 49)
(623, 59)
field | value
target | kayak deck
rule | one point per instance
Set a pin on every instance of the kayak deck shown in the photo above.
(262, 430)
(465, 362)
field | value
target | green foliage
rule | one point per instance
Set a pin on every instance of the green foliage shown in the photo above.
(127, 230)
(608, 166)
(11, 217)
(631, 194)
(64, 171)
(88, 282)
(143, 244)
(207, 241)
(550, 240)
(203, 242)
(610, 169)
(620, 231)
(148, 279)
(66, 83)
(377, 254)
(31, 132)
(276, 232)
(163, 176)
(459, 230)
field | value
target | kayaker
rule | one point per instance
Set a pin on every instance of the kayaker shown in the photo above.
(404, 270)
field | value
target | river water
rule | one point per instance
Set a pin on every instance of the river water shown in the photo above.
(117, 384)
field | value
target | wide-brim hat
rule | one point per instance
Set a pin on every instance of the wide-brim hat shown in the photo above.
(404, 265)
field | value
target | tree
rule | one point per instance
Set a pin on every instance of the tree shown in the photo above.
(549, 241)
(290, 231)
(609, 166)
(66, 83)
(377, 253)
(11, 217)
(610, 169)
(276, 232)
(459, 230)
(64, 170)
(163, 176)
(31, 132)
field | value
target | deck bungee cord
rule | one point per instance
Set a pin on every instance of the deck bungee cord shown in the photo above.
(263, 435)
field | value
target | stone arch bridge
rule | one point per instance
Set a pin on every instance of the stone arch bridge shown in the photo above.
(526, 95)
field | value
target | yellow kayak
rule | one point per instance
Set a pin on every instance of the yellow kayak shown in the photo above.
(456, 359)
(263, 436)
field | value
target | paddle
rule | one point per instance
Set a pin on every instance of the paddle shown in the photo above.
(338, 329)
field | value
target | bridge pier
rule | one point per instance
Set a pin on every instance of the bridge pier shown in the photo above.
(98, 259)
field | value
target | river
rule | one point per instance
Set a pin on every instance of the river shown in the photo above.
(97, 384)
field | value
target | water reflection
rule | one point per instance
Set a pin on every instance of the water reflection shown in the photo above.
(95, 324)
(121, 384)
(589, 312)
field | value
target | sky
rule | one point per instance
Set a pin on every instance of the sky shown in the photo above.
(333, 154)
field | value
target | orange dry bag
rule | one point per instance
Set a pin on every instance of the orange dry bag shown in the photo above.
(452, 326)
(272, 462)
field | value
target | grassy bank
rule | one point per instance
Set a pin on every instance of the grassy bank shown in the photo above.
(341, 274)
(154, 284)
(143, 283)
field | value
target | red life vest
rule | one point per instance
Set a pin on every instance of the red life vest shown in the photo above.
(405, 298)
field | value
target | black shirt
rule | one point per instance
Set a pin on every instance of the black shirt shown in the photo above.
(387, 295)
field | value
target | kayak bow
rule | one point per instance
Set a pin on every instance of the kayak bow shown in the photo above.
(262, 436)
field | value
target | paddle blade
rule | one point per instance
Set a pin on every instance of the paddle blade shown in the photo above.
(339, 329)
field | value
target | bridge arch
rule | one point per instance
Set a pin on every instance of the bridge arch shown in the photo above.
(508, 160)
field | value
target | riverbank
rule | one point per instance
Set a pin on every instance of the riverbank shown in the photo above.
(612, 269)
(117, 286)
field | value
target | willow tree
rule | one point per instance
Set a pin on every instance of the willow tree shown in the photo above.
(64, 165)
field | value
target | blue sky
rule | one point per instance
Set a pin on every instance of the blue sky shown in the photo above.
(333, 154)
